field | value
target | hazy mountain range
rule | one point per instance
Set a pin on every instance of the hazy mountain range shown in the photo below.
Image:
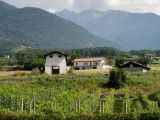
(130, 30)
(45, 30)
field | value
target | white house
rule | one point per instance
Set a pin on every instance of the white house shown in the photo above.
(150, 56)
(55, 63)
(7, 56)
(134, 67)
(90, 63)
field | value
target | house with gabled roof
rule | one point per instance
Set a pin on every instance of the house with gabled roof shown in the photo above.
(55, 63)
(90, 63)
(134, 67)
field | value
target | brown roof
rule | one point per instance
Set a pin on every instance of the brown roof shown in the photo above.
(90, 60)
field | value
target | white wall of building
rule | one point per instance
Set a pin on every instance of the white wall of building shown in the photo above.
(88, 63)
(55, 61)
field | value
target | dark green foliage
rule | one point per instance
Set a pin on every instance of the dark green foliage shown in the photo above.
(8, 44)
(22, 58)
(119, 62)
(6, 61)
(46, 30)
(58, 116)
(143, 61)
(141, 52)
(144, 101)
(85, 52)
(74, 56)
(39, 63)
(117, 78)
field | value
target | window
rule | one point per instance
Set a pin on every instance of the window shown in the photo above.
(76, 64)
(51, 56)
(60, 56)
(85, 63)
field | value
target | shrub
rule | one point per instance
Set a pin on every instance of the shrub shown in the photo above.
(20, 74)
(71, 70)
(117, 78)
(35, 71)
(119, 62)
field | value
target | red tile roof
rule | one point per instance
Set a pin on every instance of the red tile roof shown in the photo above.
(90, 60)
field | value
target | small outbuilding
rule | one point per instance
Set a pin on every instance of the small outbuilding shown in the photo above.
(135, 67)
(55, 63)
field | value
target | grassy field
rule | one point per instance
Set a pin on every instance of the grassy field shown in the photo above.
(9, 73)
(155, 68)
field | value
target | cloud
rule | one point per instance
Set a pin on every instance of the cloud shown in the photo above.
(140, 6)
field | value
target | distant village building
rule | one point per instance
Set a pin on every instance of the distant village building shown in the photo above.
(7, 56)
(135, 67)
(150, 56)
(90, 63)
(55, 63)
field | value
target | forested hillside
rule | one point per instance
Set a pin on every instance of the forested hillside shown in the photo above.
(85, 52)
(7, 45)
(45, 30)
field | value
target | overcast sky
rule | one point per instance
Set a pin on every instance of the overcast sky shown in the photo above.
(140, 6)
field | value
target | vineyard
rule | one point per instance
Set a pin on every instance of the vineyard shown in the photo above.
(19, 99)
(85, 97)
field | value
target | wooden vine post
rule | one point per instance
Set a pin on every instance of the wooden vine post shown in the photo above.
(126, 106)
(100, 107)
(22, 104)
(155, 105)
(55, 106)
(11, 103)
(51, 105)
(76, 107)
(79, 106)
(103, 107)
(34, 106)
(30, 106)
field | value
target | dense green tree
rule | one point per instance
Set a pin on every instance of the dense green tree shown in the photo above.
(119, 62)
(69, 61)
(22, 58)
(143, 60)
(117, 78)
(40, 64)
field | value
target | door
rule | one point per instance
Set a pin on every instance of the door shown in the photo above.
(55, 69)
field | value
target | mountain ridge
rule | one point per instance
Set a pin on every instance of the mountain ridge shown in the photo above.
(130, 30)
(46, 30)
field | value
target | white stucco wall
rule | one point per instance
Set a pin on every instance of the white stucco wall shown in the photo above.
(92, 63)
(103, 67)
(55, 61)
